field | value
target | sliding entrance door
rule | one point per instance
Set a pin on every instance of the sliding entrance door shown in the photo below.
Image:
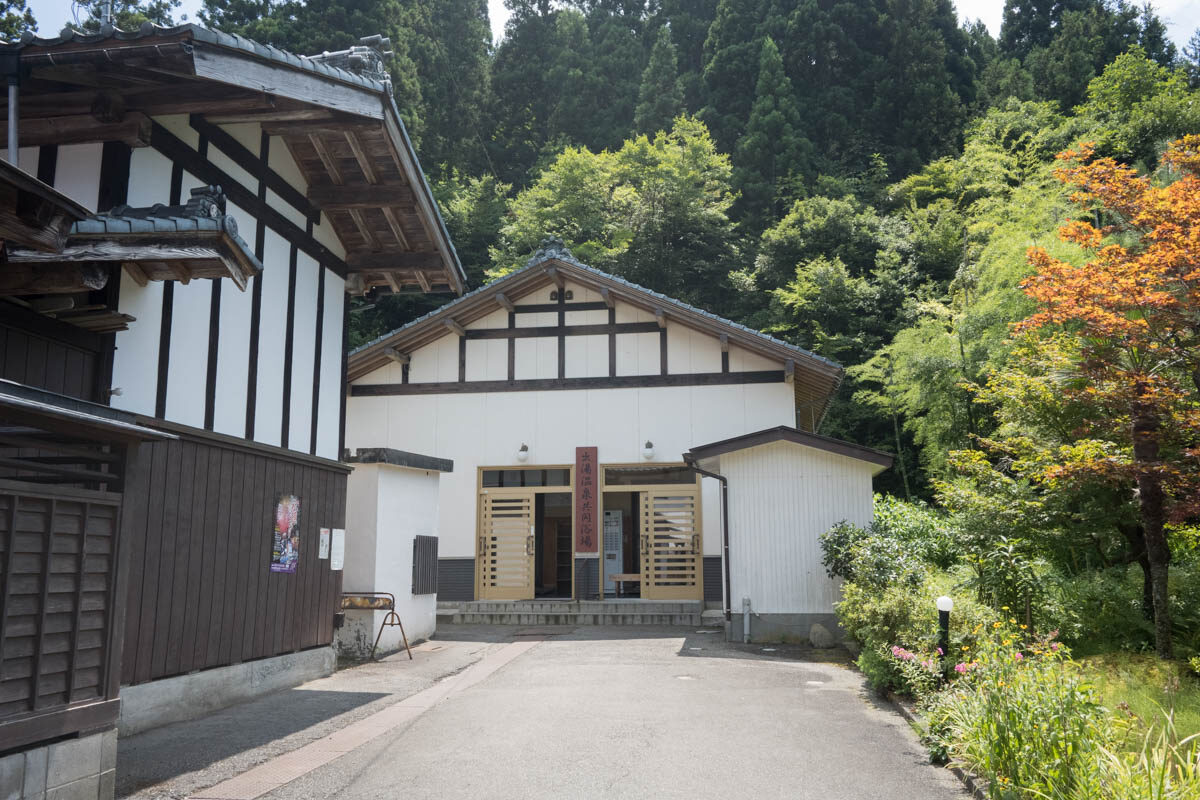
(505, 550)
(671, 546)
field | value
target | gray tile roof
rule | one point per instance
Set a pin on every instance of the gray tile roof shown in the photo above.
(555, 251)
(315, 64)
(201, 34)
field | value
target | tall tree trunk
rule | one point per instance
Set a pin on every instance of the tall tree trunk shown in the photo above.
(1152, 503)
(1137, 552)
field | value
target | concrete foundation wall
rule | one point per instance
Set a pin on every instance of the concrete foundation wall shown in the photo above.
(76, 769)
(151, 705)
(787, 628)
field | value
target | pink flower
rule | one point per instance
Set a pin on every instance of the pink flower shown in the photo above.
(1018, 656)
(1054, 646)
(960, 668)
(939, 652)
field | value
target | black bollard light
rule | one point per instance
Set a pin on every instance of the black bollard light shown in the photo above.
(944, 606)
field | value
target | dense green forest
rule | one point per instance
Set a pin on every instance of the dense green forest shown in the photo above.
(860, 177)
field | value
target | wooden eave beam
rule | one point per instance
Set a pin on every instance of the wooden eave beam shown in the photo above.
(789, 371)
(455, 327)
(327, 159)
(363, 230)
(557, 277)
(134, 130)
(384, 262)
(392, 283)
(423, 281)
(660, 317)
(343, 196)
(505, 303)
(361, 156)
(607, 297)
(393, 221)
(395, 355)
(724, 342)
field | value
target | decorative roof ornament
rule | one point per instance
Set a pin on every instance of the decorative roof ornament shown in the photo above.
(550, 247)
(205, 202)
(368, 58)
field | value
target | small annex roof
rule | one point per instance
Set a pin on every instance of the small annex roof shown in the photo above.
(398, 458)
(36, 214)
(183, 242)
(553, 260)
(335, 112)
(784, 433)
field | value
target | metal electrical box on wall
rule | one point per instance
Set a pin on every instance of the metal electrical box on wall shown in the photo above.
(614, 561)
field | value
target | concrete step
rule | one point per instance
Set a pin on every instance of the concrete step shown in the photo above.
(583, 607)
(568, 618)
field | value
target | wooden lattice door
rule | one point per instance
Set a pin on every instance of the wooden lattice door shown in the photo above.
(671, 545)
(505, 566)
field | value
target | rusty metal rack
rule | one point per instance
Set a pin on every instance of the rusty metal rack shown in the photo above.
(377, 601)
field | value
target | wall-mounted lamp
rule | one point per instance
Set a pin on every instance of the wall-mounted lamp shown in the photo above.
(648, 449)
(523, 453)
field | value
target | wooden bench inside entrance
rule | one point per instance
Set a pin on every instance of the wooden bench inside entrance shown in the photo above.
(621, 578)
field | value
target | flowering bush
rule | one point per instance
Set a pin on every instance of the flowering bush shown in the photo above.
(1018, 713)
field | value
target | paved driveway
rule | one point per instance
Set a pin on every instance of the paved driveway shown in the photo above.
(636, 713)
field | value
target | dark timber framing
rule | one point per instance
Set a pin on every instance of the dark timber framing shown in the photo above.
(288, 348)
(562, 331)
(178, 152)
(512, 351)
(214, 340)
(114, 175)
(320, 331)
(542, 384)
(47, 168)
(562, 327)
(260, 234)
(164, 348)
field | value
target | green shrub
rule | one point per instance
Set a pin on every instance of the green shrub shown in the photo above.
(1020, 716)
(903, 542)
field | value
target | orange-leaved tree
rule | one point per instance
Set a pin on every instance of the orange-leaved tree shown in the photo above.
(1134, 312)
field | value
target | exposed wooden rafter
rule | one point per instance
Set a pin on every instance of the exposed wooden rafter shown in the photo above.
(331, 167)
(360, 155)
(342, 196)
(455, 327)
(505, 303)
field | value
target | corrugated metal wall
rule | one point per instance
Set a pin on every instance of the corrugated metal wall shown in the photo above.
(456, 578)
(782, 497)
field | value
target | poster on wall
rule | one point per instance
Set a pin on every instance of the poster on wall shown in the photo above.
(285, 551)
(323, 552)
(587, 499)
(337, 548)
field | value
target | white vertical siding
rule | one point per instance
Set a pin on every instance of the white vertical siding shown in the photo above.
(782, 497)
(330, 410)
(304, 331)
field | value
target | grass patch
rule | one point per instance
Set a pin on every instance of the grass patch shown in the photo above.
(1148, 687)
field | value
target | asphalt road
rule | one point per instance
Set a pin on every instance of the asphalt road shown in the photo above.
(636, 713)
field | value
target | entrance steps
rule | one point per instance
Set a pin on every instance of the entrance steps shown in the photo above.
(569, 612)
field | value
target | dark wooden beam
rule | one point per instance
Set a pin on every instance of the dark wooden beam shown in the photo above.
(455, 327)
(542, 308)
(358, 196)
(363, 229)
(505, 303)
(74, 473)
(395, 355)
(393, 221)
(608, 298)
(545, 384)
(384, 262)
(175, 149)
(327, 159)
(557, 277)
(789, 371)
(660, 317)
(24, 279)
(562, 330)
(361, 156)
(134, 130)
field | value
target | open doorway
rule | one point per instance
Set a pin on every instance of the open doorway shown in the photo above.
(621, 558)
(553, 545)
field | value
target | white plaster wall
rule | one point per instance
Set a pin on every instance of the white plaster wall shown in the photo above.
(386, 507)
(304, 331)
(27, 158)
(77, 173)
(268, 412)
(782, 497)
(135, 364)
(329, 412)
(487, 429)
(233, 344)
(187, 371)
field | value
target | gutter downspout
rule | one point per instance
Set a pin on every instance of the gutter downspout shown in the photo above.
(691, 462)
(10, 66)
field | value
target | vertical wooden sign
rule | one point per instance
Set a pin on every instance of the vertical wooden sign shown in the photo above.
(587, 500)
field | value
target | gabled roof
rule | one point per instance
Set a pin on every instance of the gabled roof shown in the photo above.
(783, 433)
(341, 126)
(816, 377)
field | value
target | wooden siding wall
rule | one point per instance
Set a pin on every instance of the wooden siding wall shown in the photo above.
(58, 567)
(66, 361)
(198, 526)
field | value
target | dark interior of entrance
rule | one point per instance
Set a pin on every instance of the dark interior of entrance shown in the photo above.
(554, 547)
(620, 538)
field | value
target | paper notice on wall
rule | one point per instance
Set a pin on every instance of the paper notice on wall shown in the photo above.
(337, 548)
(324, 550)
